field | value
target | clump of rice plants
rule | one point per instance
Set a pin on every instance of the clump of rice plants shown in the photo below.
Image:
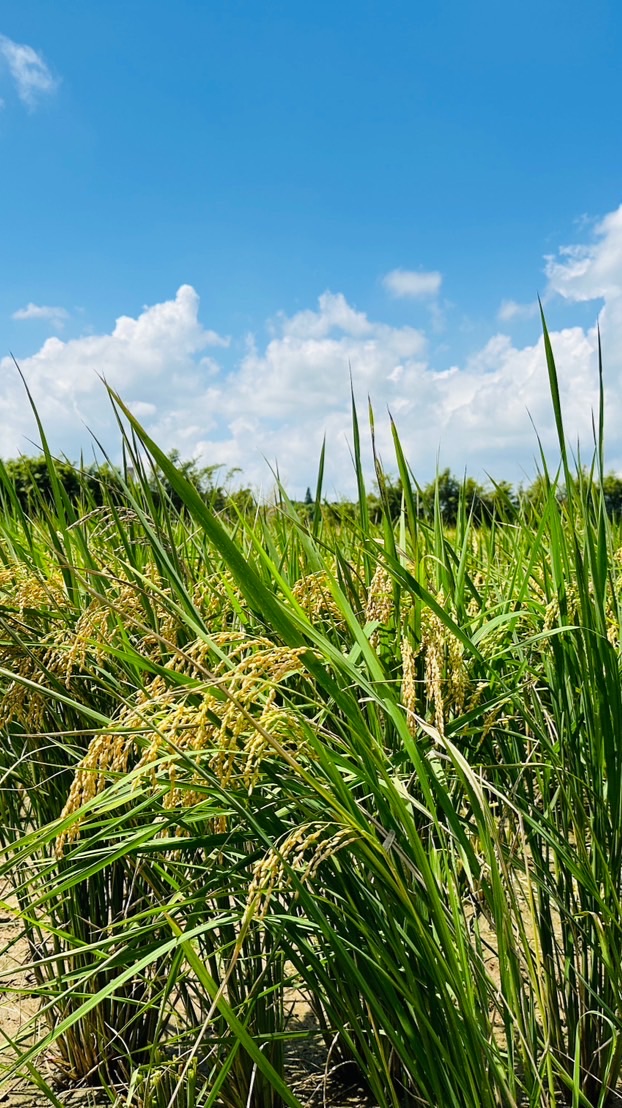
(373, 760)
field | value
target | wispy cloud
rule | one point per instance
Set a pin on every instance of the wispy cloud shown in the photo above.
(593, 270)
(413, 284)
(45, 312)
(32, 77)
(511, 309)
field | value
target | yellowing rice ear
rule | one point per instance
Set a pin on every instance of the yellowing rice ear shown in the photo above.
(303, 851)
(107, 754)
(379, 606)
(312, 591)
(409, 682)
(164, 720)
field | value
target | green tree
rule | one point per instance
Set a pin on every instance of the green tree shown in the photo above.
(447, 489)
(612, 492)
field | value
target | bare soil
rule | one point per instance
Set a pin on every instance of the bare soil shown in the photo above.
(312, 1072)
(314, 1079)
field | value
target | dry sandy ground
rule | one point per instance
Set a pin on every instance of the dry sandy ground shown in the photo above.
(15, 1011)
(310, 1076)
(312, 1079)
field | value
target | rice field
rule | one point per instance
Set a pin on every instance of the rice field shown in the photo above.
(258, 758)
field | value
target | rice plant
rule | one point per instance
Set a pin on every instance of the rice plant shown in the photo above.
(373, 761)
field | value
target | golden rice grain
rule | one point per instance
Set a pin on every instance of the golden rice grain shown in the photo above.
(315, 598)
(233, 732)
(303, 851)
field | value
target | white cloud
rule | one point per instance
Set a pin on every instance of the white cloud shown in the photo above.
(31, 75)
(283, 394)
(45, 312)
(152, 360)
(335, 314)
(594, 270)
(412, 283)
(511, 309)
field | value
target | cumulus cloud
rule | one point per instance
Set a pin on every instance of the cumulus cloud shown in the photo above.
(284, 393)
(412, 284)
(31, 76)
(44, 312)
(153, 360)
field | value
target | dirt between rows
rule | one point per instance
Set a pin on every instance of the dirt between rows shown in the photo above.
(312, 1078)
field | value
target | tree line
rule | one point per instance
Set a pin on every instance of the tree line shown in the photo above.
(32, 481)
(448, 495)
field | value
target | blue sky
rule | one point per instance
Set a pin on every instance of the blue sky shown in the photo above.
(266, 193)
